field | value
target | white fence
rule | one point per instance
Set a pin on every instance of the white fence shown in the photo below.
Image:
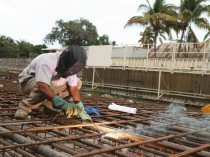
(191, 57)
(164, 64)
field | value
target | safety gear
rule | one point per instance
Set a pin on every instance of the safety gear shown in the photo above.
(73, 111)
(59, 103)
(71, 61)
(83, 115)
(77, 67)
(68, 108)
(21, 113)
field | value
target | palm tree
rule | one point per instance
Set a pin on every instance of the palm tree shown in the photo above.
(206, 37)
(154, 16)
(148, 35)
(190, 12)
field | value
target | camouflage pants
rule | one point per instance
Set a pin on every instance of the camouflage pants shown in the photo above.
(36, 99)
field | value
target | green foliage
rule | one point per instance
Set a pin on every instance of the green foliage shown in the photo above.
(160, 18)
(29, 50)
(155, 17)
(32, 55)
(25, 48)
(146, 37)
(103, 40)
(113, 43)
(13, 49)
(2, 70)
(78, 32)
(38, 48)
(206, 37)
(96, 91)
(8, 47)
(190, 12)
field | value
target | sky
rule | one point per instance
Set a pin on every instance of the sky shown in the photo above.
(31, 20)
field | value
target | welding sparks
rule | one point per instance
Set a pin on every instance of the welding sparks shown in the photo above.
(116, 135)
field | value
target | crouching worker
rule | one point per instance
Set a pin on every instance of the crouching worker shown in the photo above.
(49, 79)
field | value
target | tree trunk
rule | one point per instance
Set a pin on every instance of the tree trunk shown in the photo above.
(182, 36)
(155, 42)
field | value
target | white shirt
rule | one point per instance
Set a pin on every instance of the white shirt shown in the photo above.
(43, 69)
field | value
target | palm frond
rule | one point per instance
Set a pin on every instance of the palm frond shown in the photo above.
(166, 17)
(201, 23)
(191, 37)
(207, 35)
(149, 4)
(143, 7)
(161, 41)
(136, 20)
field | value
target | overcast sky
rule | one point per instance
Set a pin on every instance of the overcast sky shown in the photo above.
(31, 20)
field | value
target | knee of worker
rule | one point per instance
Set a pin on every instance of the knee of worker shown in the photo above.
(28, 86)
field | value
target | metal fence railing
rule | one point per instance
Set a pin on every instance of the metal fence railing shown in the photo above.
(185, 56)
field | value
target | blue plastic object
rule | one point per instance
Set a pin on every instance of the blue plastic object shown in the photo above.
(91, 110)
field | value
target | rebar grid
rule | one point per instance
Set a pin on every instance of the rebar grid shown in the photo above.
(156, 130)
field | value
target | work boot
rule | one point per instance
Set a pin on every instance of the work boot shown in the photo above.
(21, 113)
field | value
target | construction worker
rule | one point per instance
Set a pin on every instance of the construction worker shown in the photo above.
(50, 78)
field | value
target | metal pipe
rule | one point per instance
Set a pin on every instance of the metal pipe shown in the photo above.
(58, 146)
(52, 140)
(18, 150)
(41, 149)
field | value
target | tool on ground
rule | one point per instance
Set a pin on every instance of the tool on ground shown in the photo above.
(206, 109)
(89, 118)
(100, 131)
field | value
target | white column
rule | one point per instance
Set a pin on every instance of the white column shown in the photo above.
(159, 82)
(204, 57)
(124, 57)
(93, 80)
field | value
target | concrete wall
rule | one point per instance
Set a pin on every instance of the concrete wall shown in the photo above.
(14, 63)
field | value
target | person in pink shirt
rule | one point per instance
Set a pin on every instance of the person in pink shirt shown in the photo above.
(50, 78)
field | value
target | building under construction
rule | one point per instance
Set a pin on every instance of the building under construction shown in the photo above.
(154, 130)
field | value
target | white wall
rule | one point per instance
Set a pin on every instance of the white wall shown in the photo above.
(129, 51)
(99, 55)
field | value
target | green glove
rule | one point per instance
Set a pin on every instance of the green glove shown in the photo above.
(68, 108)
(59, 103)
(83, 115)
